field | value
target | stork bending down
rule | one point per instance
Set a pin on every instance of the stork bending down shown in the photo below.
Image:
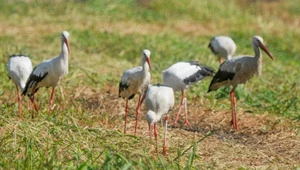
(19, 68)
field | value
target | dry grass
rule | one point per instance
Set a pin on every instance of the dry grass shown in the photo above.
(86, 126)
(263, 141)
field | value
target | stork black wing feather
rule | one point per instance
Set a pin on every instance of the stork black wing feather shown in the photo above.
(33, 80)
(200, 74)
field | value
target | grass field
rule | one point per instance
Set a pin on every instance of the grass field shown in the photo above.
(106, 37)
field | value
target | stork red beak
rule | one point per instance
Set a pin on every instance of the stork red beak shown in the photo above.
(263, 47)
(67, 43)
(148, 61)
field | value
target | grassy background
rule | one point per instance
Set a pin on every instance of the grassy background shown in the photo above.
(107, 37)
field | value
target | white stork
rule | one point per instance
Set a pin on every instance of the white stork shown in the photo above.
(49, 72)
(239, 70)
(19, 68)
(222, 47)
(159, 102)
(181, 75)
(135, 81)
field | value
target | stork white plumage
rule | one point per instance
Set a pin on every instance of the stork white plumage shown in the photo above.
(181, 76)
(49, 72)
(135, 81)
(239, 70)
(159, 102)
(19, 68)
(222, 47)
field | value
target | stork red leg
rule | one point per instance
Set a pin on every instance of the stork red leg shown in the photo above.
(181, 103)
(150, 134)
(126, 113)
(233, 107)
(138, 110)
(220, 60)
(29, 105)
(137, 114)
(186, 122)
(155, 135)
(34, 105)
(33, 101)
(165, 137)
(51, 99)
(19, 102)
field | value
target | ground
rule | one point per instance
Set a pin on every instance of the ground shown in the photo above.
(263, 141)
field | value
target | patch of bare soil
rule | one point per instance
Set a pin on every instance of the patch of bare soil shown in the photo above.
(262, 141)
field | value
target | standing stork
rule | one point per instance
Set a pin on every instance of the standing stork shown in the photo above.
(159, 102)
(49, 72)
(239, 70)
(19, 68)
(222, 47)
(181, 76)
(135, 81)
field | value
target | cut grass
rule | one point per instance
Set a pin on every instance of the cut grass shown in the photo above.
(107, 37)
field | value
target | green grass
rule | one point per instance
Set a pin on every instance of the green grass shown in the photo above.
(107, 37)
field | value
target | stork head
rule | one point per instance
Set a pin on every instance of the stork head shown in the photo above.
(151, 117)
(259, 42)
(65, 39)
(146, 56)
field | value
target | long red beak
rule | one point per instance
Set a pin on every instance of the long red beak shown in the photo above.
(148, 61)
(263, 47)
(67, 43)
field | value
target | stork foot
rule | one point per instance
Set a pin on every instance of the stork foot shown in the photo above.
(186, 122)
(233, 125)
(175, 123)
(165, 151)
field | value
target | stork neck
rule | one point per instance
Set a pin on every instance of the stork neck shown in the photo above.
(64, 51)
(258, 60)
(257, 52)
(145, 66)
(22, 86)
(158, 117)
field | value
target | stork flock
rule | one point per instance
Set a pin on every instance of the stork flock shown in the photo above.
(159, 98)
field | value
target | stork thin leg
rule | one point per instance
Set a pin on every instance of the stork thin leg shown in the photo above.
(155, 135)
(126, 113)
(150, 134)
(29, 105)
(34, 105)
(220, 60)
(51, 99)
(31, 97)
(181, 103)
(138, 110)
(19, 102)
(62, 93)
(186, 122)
(165, 137)
(233, 108)
(137, 114)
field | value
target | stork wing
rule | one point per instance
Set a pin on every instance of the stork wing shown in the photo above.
(36, 76)
(128, 77)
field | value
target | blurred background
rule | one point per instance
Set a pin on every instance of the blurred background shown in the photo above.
(108, 36)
